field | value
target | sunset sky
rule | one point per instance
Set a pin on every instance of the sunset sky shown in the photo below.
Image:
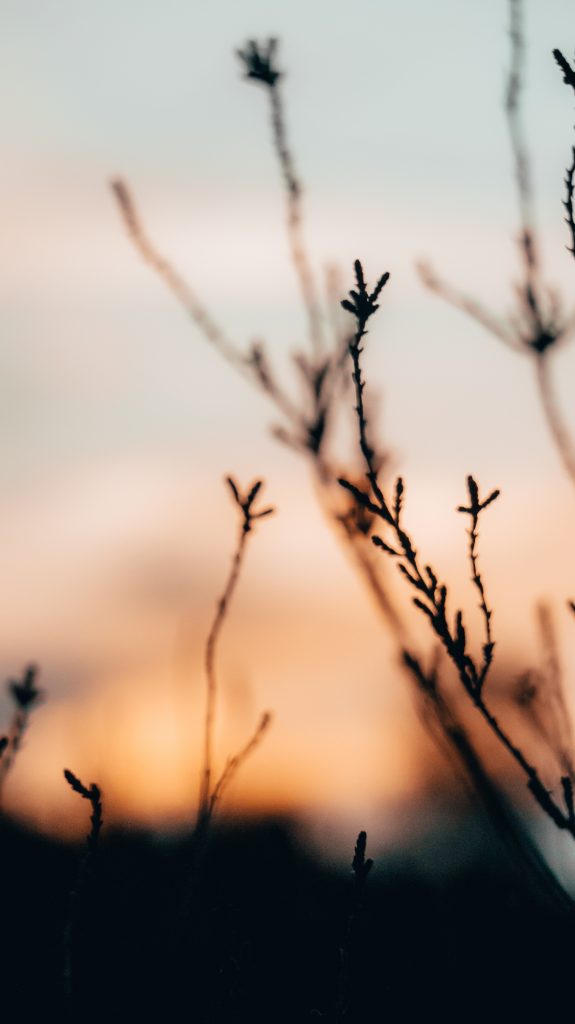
(119, 423)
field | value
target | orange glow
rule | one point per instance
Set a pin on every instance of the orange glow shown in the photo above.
(120, 421)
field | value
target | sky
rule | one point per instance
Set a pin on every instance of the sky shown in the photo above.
(119, 422)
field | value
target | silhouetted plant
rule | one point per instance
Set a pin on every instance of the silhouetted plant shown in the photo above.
(538, 324)
(307, 424)
(431, 594)
(25, 695)
(211, 792)
(93, 795)
(360, 866)
(569, 79)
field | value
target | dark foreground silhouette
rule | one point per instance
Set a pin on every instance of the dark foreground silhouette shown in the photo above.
(254, 932)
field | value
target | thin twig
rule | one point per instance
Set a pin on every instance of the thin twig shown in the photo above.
(474, 510)
(453, 738)
(362, 305)
(294, 220)
(527, 241)
(249, 516)
(309, 427)
(259, 66)
(537, 325)
(568, 201)
(172, 278)
(467, 304)
(569, 79)
(431, 596)
(93, 795)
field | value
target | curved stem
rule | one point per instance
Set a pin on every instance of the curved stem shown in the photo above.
(294, 221)
(555, 422)
(211, 679)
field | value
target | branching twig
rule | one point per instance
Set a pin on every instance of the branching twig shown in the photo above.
(474, 510)
(362, 304)
(209, 795)
(538, 324)
(431, 596)
(171, 277)
(308, 424)
(259, 65)
(453, 738)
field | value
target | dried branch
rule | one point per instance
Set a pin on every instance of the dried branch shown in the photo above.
(362, 304)
(309, 423)
(208, 796)
(474, 510)
(431, 595)
(446, 728)
(467, 304)
(172, 278)
(259, 66)
(537, 325)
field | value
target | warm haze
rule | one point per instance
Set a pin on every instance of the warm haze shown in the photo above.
(119, 423)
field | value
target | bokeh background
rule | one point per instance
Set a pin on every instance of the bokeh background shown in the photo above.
(119, 422)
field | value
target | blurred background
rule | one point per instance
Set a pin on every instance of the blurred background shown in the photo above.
(119, 422)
